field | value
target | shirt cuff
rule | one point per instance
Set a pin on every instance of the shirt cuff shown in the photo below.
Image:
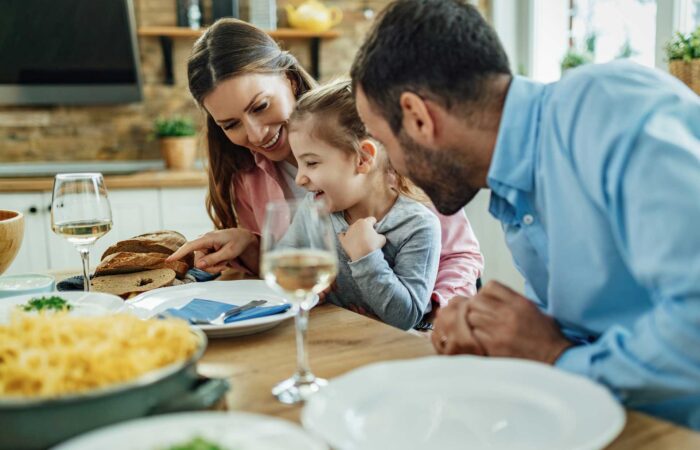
(576, 360)
(368, 264)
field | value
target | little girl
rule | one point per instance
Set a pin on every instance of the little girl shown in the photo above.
(388, 243)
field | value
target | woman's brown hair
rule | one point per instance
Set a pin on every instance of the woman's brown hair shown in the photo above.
(229, 48)
(342, 128)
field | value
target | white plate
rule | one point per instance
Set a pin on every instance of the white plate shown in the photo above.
(84, 303)
(234, 292)
(231, 430)
(463, 402)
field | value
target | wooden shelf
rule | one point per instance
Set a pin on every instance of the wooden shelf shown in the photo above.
(280, 33)
(166, 35)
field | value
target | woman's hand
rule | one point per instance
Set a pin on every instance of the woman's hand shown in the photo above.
(361, 239)
(215, 250)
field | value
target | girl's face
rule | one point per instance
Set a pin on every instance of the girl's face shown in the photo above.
(329, 172)
(253, 110)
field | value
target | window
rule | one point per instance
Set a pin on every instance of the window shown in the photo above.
(613, 29)
(689, 15)
(597, 30)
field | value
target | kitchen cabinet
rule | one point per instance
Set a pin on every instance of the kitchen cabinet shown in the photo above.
(134, 211)
(33, 255)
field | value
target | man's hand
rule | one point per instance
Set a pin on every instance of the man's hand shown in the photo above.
(216, 249)
(508, 324)
(361, 239)
(451, 333)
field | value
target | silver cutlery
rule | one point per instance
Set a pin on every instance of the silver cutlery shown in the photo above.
(221, 318)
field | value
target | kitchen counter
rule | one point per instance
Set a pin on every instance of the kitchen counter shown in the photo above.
(139, 180)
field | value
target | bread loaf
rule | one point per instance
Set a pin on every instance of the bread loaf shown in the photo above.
(129, 262)
(125, 284)
(165, 242)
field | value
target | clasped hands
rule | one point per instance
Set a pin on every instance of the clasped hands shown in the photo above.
(498, 321)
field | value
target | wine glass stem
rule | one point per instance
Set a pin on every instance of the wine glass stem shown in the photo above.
(301, 320)
(85, 257)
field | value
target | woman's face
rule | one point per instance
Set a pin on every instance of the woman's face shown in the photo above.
(253, 110)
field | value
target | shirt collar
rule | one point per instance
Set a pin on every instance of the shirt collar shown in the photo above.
(512, 165)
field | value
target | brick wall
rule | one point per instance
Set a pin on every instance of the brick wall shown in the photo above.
(72, 133)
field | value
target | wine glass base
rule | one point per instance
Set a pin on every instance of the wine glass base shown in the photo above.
(294, 390)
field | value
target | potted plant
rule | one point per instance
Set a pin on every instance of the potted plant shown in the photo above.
(683, 53)
(177, 142)
(575, 58)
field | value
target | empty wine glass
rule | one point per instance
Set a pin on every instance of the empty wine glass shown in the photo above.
(298, 259)
(80, 213)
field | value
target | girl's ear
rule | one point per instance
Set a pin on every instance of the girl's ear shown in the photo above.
(367, 156)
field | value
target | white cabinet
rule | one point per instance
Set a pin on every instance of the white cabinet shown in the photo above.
(134, 212)
(33, 254)
(183, 210)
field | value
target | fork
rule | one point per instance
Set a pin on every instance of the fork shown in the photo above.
(230, 313)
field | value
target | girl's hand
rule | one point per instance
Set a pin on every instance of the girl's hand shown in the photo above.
(322, 295)
(361, 239)
(215, 250)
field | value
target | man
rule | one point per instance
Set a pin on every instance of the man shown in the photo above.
(595, 179)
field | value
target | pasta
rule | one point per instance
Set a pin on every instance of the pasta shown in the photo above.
(56, 354)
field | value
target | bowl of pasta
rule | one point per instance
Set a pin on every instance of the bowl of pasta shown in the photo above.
(62, 375)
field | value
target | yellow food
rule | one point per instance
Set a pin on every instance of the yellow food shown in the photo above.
(57, 354)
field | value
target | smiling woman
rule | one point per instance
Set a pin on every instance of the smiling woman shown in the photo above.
(247, 88)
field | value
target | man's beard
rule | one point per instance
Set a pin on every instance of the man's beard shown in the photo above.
(443, 174)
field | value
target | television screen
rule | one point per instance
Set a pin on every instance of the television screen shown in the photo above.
(68, 52)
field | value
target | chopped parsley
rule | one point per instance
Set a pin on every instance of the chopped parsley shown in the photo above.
(45, 303)
(197, 443)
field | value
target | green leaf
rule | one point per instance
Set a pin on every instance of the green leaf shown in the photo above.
(173, 127)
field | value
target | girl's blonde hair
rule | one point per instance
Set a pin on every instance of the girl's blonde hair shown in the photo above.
(227, 49)
(342, 128)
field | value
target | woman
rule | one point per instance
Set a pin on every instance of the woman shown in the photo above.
(248, 88)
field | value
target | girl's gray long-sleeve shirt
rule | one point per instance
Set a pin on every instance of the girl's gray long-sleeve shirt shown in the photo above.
(394, 282)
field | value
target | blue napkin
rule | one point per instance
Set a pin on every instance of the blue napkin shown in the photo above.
(200, 308)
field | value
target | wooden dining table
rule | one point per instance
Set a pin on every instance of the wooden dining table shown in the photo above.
(339, 341)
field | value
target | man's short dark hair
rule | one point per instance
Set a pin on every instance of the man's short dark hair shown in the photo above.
(440, 49)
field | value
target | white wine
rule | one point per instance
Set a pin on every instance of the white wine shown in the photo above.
(83, 232)
(300, 271)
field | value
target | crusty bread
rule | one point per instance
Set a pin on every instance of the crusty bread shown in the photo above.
(129, 262)
(166, 242)
(125, 284)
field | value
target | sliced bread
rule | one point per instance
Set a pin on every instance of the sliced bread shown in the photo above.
(166, 242)
(125, 284)
(129, 262)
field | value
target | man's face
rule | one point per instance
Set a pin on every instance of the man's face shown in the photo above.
(444, 174)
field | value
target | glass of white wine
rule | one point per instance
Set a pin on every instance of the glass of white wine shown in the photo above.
(80, 213)
(298, 259)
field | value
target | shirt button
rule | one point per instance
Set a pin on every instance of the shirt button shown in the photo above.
(528, 219)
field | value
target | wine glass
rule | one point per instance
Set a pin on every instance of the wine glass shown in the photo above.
(80, 212)
(298, 259)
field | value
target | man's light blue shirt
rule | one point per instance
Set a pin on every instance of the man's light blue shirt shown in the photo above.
(596, 180)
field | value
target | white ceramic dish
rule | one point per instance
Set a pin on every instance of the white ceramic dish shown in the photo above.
(236, 292)
(463, 402)
(231, 430)
(29, 283)
(83, 303)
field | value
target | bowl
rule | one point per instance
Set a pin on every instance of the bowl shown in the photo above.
(28, 283)
(11, 235)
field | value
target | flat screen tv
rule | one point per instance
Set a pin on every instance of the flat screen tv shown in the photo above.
(64, 52)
